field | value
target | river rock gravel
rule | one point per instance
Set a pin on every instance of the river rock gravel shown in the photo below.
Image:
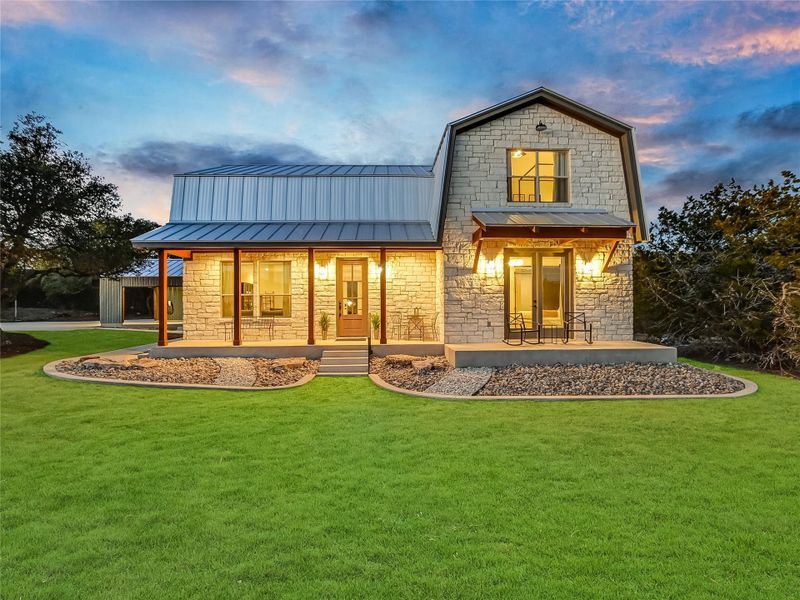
(165, 370)
(235, 372)
(629, 379)
(274, 372)
(462, 382)
(402, 374)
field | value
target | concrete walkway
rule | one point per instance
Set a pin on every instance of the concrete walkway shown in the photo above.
(47, 325)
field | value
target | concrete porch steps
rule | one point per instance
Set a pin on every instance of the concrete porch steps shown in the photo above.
(344, 363)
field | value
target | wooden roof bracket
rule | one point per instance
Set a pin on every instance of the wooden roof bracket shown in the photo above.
(610, 255)
(475, 261)
(184, 254)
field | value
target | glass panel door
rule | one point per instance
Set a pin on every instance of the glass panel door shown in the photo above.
(520, 285)
(552, 294)
(537, 285)
(351, 286)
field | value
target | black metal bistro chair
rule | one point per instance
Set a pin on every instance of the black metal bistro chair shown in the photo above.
(575, 322)
(515, 327)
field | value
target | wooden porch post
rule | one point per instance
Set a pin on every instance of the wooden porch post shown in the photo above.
(311, 340)
(162, 298)
(237, 297)
(383, 296)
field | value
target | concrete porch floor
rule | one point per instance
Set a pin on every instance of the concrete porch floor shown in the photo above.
(495, 354)
(498, 354)
(287, 348)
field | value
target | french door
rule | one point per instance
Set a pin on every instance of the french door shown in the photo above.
(351, 298)
(538, 285)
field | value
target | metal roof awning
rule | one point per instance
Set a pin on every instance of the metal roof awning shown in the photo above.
(259, 234)
(564, 224)
(548, 218)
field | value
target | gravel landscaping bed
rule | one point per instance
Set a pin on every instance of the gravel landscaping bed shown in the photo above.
(630, 379)
(406, 376)
(162, 370)
(238, 372)
(272, 372)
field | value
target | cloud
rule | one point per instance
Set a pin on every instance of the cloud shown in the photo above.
(777, 121)
(376, 15)
(161, 158)
(34, 11)
(778, 44)
(754, 166)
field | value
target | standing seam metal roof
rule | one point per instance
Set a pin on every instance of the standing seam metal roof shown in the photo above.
(544, 218)
(259, 233)
(318, 170)
(149, 268)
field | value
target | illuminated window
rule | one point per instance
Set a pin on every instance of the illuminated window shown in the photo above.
(275, 289)
(247, 289)
(537, 176)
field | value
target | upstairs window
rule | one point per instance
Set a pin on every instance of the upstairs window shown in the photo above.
(537, 176)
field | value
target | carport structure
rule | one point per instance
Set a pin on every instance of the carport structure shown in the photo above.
(134, 295)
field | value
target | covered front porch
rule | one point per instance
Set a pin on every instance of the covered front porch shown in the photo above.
(290, 297)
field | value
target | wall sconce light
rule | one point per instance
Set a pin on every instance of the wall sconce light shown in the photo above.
(491, 267)
(321, 271)
(589, 269)
(541, 127)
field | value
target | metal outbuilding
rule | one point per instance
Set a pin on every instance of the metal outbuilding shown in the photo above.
(133, 295)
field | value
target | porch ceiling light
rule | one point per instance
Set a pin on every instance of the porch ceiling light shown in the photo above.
(541, 127)
(518, 154)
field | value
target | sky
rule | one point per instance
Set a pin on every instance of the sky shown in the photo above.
(149, 89)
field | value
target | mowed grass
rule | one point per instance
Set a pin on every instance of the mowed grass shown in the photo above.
(342, 490)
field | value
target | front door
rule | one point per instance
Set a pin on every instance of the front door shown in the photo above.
(351, 297)
(537, 285)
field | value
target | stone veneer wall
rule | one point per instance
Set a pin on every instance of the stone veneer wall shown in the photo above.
(473, 302)
(412, 280)
(202, 283)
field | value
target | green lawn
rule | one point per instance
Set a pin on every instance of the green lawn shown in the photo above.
(342, 490)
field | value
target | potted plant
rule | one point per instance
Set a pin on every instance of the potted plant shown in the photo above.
(324, 323)
(375, 318)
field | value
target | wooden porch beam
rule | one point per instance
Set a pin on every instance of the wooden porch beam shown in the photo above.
(163, 336)
(610, 255)
(184, 254)
(383, 296)
(311, 340)
(237, 297)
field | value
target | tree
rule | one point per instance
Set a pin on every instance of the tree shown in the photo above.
(55, 211)
(723, 272)
(101, 247)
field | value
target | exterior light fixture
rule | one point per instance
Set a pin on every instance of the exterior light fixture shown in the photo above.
(321, 271)
(517, 154)
(541, 127)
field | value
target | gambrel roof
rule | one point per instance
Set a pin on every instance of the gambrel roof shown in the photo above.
(564, 105)
(278, 204)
